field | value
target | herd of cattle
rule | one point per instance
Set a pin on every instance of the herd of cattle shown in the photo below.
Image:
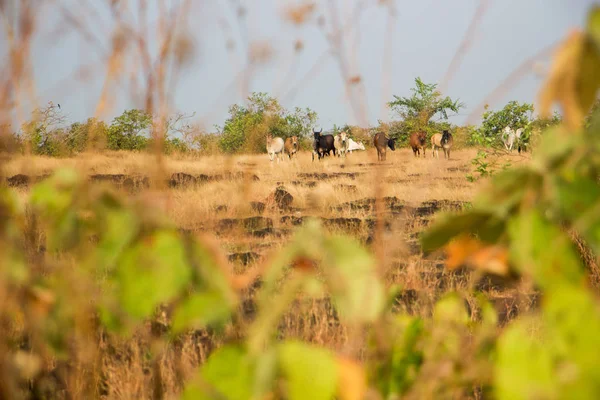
(341, 144)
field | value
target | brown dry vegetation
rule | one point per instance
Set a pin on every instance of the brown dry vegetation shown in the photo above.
(228, 200)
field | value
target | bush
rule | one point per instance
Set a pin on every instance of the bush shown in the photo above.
(247, 127)
(130, 131)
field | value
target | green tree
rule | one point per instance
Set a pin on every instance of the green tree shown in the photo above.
(426, 101)
(300, 122)
(233, 132)
(247, 126)
(514, 114)
(91, 134)
(130, 130)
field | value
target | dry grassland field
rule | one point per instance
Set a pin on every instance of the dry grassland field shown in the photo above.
(250, 205)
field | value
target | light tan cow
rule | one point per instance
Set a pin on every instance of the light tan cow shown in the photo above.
(340, 142)
(441, 140)
(291, 146)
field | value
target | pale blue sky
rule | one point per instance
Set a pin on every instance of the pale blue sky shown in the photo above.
(426, 34)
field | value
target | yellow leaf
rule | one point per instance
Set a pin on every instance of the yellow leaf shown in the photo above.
(573, 79)
(352, 384)
(459, 249)
(469, 251)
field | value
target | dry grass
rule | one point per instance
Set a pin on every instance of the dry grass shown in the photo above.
(218, 208)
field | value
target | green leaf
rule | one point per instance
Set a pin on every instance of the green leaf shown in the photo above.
(67, 232)
(311, 372)
(119, 230)
(12, 261)
(542, 250)
(572, 315)
(153, 271)
(451, 308)
(407, 357)
(489, 316)
(506, 191)
(451, 320)
(54, 195)
(482, 223)
(578, 200)
(357, 292)
(200, 310)
(209, 273)
(228, 374)
(524, 365)
(265, 372)
(554, 147)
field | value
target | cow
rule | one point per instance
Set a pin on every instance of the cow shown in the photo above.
(381, 141)
(352, 145)
(441, 140)
(322, 144)
(291, 146)
(340, 143)
(417, 142)
(509, 136)
(274, 147)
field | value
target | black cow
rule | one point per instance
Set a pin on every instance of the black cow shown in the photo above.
(381, 141)
(322, 144)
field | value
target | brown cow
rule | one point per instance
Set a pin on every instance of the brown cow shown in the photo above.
(417, 142)
(443, 140)
(291, 146)
(381, 141)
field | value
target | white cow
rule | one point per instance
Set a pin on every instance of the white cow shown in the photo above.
(275, 147)
(340, 142)
(509, 136)
(352, 145)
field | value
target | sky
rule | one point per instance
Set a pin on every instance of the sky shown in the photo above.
(388, 53)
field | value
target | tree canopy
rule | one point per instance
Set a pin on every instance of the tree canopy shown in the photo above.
(425, 102)
(247, 126)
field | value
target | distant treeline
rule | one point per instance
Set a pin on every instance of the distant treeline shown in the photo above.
(245, 129)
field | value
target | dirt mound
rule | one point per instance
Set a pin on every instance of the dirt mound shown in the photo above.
(221, 208)
(122, 181)
(348, 188)
(291, 220)
(392, 203)
(250, 225)
(18, 180)
(257, 206)
(345, 224)
(308, 184)
(244, 258)
(458, 169)
(182, 179)
(324, 176)
(281, 198)
(21, 180)
(429, 208)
